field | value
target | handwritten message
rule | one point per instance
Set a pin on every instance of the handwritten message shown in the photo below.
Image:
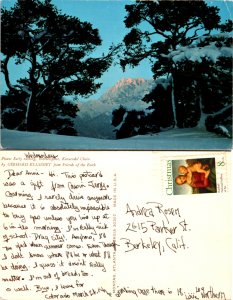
(57, 227)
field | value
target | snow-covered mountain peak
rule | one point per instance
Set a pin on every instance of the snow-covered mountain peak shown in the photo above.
(127, 90)
(127, 81)
(95, 116)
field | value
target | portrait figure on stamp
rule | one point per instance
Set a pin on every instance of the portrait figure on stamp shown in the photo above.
(194, 176)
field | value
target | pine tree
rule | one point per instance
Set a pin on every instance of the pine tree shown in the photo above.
(57, 49)
(161, 27)
(205, 77)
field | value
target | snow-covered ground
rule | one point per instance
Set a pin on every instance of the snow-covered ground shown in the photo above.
(175, 139)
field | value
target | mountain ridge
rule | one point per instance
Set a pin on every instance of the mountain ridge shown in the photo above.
(127, 90)
(95, 116)
(127, 81)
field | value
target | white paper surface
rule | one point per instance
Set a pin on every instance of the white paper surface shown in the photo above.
(109, 225)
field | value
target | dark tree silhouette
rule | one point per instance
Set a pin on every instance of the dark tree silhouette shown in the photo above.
(159, 28)
(160, 104)
(57, 49)
(191, 63)
(118, 116)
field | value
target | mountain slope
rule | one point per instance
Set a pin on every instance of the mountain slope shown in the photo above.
(95, 116)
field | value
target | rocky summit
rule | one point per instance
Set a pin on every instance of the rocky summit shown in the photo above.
(95, 116)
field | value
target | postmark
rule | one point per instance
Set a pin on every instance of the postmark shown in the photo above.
(195, 175)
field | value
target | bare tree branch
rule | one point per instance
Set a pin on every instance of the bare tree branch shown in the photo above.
(6, 74)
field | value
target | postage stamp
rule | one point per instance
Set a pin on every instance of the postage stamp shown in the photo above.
(195, 175)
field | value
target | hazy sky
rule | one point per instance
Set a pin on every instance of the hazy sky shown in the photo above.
(108, 17)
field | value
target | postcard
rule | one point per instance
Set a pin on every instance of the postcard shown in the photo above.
(108, 225)
(116, 75)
